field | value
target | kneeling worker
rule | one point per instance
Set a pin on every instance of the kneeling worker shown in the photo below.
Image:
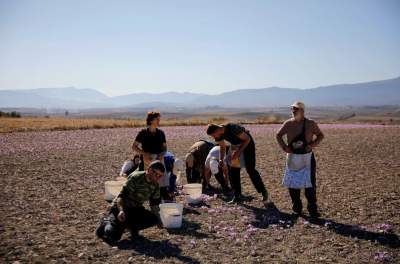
(127, 210)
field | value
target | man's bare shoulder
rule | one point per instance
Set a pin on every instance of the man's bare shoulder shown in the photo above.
(311, 121)
(289, 121)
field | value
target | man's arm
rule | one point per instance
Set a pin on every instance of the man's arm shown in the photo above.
(188, 173)
(138, 140)
(226, 175)
(279, 138)
(222, 151)
(121, 214)
(245, 141)
(164, 150)
(163, 146)
(319, 136)
(136, 148)
(120, 204)
(128, 187)
(206, 174)
(155, 201)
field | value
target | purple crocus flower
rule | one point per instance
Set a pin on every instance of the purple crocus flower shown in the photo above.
(382, 256)
(193, 243)
(384, 228)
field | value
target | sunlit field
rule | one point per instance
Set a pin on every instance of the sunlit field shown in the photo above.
(52, 199)
(58, 123)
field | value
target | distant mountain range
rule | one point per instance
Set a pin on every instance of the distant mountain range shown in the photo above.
(385, 92)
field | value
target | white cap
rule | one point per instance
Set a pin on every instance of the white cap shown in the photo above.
(299, 105)
(214, 166)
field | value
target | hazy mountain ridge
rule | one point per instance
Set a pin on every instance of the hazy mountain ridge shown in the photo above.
(385, 92)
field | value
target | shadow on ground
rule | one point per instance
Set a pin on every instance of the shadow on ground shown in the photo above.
(157, 249)
(386, 239)
(271, 215)
(188, 229)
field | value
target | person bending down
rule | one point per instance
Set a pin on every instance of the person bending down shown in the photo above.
(130, 165)
(239, 136)
(212, 167)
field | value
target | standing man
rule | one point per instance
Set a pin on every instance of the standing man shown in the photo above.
(195, 160)
(300, 133)
(240, 137)
(127, 210)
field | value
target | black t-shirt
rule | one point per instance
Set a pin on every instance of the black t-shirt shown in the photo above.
(232, 132)
(151, 142)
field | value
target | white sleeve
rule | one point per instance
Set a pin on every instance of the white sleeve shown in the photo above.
(207, 163)
(128, 165)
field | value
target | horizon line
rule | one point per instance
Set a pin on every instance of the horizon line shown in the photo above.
(178, 92)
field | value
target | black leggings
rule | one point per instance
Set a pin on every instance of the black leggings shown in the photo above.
(249, 154)
(220, 178)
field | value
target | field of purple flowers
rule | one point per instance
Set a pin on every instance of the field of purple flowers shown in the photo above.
(52, 199)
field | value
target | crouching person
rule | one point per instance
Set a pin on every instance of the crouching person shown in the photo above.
(212, 167)
(127, 210)
(195, 159)
(129, 166)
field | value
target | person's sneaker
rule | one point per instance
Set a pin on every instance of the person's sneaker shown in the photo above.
(134, 234)
(297, 209)
(227, 190)
(208, 188)
(109, 241)
(211, 187)
(100, 234)
(314, 214)
(235, 200)
(297, 213)
(100, 231)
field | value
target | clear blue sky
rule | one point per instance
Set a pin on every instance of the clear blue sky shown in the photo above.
(120, 47)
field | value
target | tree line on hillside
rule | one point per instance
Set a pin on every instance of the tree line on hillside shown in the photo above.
(10, 114)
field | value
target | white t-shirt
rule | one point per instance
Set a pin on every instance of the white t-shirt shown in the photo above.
(127, 166)
(214, 154)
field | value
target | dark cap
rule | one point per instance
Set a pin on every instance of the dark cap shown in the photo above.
(157, 165)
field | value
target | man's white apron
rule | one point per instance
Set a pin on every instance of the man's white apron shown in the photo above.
(298, 171)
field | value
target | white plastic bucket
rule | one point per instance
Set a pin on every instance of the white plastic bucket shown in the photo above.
(120, 178)
(193, 192)
(112, 189)
(171, 215)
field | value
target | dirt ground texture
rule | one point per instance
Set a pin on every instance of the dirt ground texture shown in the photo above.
(53, 197)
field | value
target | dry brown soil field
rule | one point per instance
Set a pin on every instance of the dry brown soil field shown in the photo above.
(52, 199)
